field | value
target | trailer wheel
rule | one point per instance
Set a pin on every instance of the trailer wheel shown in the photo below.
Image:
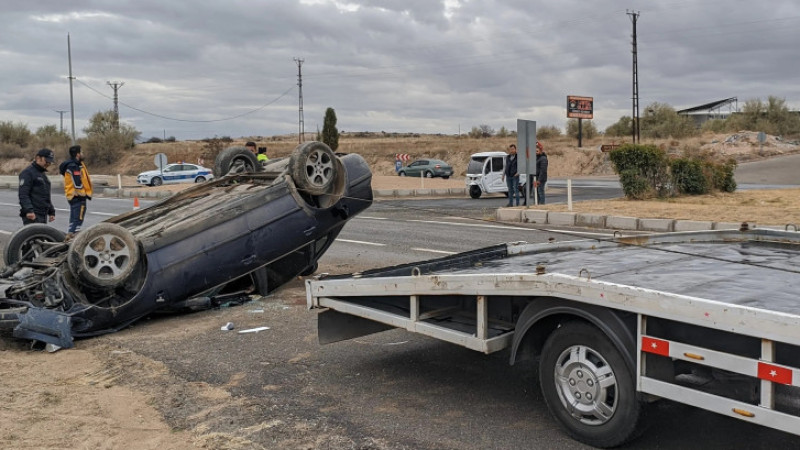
(475, 191)
(29, 242)
(104, 255)
(588, 387)
(313, 168)
(235, 160)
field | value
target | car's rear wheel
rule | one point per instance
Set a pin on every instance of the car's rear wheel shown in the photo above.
(446, 177)
(156, 181)
(474, 191)
(429, 174)
(104, 255)
(200, 179)
(235, 160)
(30, 241)
(313, 167)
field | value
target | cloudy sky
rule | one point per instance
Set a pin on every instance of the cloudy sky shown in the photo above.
(202, 68)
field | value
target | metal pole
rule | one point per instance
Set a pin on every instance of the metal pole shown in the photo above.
(71, 101)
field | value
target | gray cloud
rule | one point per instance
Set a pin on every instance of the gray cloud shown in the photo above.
(425, 66)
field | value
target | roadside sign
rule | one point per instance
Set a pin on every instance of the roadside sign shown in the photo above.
(402, 157)
(580, 107)
(160, 161)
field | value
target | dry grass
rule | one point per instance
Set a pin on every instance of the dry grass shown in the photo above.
(765, 207)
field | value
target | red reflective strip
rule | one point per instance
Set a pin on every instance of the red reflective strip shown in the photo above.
(656, 346)
(76, 172)
(774, 373)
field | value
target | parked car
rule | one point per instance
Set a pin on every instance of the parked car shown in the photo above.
(250, 230)
(175, 173)
(427, 167)
(485, 174)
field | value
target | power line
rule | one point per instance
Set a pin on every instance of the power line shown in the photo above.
(190, 120)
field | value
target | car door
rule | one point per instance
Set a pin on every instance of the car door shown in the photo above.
(415, 168)
(493, 174)
(172, 174)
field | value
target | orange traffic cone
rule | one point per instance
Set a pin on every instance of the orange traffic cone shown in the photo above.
(135, 203)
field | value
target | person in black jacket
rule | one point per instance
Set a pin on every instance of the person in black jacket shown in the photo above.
(541, 172)
(511, 175)
(34, 190)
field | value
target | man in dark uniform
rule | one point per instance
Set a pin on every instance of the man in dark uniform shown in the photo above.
(34, 190)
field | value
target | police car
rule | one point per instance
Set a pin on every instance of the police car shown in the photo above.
(175, 173)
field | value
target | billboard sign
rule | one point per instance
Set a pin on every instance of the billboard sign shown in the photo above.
(580, 107)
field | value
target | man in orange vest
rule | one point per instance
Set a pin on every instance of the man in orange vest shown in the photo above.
(77, 188)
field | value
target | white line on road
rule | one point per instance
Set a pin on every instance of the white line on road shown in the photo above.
(433, 251)
(66, 210)
(373, 218)
(360, 242)
(500, 227)
(5, 232)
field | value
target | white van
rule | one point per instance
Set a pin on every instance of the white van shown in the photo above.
(485, 174)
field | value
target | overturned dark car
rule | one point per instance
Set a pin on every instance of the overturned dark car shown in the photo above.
(255, 227)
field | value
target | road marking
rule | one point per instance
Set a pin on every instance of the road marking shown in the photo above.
(360, 242)
(433, 251)
(499, 227)
(5, 232)
(373, 218)
(66, 210)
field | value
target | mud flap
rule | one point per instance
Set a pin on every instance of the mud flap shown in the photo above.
(52, 327)
(333, 326)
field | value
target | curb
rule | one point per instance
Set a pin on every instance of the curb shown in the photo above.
(586, 220)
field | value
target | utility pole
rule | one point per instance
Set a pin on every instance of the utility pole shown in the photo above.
(116, 85)
(71, 102)
(61, 119)
(635, 129)
(300, 124)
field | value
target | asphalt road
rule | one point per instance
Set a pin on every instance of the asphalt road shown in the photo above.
(393, 389)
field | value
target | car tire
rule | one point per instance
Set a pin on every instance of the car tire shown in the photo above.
(235, 160)
(446, 177)
(314, 169)
(401, 173)
(200, 179)
(104, 255)
(156, 181)
(429, 174)
(475, 191)
(30, 240)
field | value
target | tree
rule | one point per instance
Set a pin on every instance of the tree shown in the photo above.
(330, 135)
(49, 136)
(588, 129)
(772, 117)
(104, 141)
(548, 132)
(15, 133)
(661, 121)
(623, 127)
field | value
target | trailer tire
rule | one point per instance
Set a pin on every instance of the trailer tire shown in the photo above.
(104, 255)
(588, 387)
(30, 240)
(235, 160)
(475, 191)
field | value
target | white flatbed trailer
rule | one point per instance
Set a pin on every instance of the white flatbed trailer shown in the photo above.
(708, 319)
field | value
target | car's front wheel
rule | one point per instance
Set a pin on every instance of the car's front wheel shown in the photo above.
(156, 181)
(104, 255)
(313, 168)
(30, 241)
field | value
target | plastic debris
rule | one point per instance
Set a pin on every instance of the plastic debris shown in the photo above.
(52, 348)
(253, 330)
(227, 327)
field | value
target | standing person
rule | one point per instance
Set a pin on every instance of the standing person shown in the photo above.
(511, 175)
(250, 145)
(77, 188)
(34, 190)
(541, 172)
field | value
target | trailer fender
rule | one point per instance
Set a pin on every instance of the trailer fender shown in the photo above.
(544, 314)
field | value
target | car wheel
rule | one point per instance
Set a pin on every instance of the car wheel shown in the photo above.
(429, 174)
(104, 255)
(474, 191)
(235, 160)
(313, 167)
(30, 241)
(587, 386)
(156, 181)
(401, 173)
(200, 179)
(446, 177)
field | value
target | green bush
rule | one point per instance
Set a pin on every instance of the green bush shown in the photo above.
(689, 176)
(634, 185)
(15, 133)
(649, 165)
(722, 176)
(548, 132)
